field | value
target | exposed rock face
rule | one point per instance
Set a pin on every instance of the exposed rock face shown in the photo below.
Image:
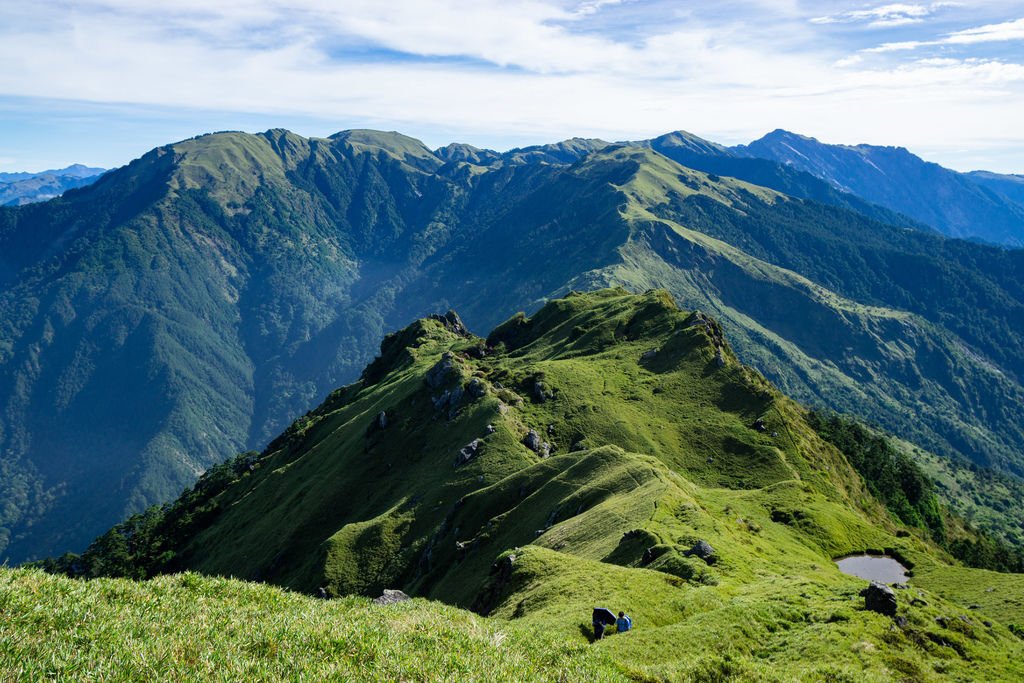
(533, 441)
(704, 551)
(382, 420)
(390, 597)
(880, 598)
(444, 370)
(449, 400)
(453, 323)
(469, 451)
(476, 388)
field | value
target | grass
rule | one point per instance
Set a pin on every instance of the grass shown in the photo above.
(192, 628)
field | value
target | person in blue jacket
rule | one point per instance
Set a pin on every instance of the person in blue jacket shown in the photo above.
(623, 623)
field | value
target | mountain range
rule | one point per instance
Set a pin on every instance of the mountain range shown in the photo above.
(189, 305)
(25, 188)
(979, 205)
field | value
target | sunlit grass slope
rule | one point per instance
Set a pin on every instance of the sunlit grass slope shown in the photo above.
(191, 628)
(573, 459)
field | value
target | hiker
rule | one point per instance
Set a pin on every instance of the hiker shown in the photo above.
(623, 623)
(602, 617)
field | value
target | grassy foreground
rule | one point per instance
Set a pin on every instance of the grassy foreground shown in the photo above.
(187, 627)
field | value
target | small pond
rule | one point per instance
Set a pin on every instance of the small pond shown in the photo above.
(880, 568)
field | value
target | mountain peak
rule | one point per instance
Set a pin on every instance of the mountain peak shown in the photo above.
(685, 141)
(406, 149)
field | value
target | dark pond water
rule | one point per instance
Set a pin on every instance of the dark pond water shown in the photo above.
(873, 568)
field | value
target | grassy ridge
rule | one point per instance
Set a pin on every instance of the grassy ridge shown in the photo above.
(192, 628)
(657, 438)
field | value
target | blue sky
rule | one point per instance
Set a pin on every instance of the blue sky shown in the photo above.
(102, 81)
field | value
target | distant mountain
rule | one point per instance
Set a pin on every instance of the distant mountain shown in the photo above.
(702, 155)
(1009, 186)
(25, 188)
(189, 305)
(956, 204)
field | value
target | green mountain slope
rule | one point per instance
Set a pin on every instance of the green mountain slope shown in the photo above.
(887, 323)
(577, 458)
(192, 303)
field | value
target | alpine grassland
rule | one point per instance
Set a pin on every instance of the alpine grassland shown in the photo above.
(193, 628)
(610, 450)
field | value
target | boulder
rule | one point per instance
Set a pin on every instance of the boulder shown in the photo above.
(468, 452)
(390, 597)
(382, 420)
(541, 393)
(490, 429)
(453, 323)
(449, 400)
(443, 371)
(703, 550)
(476, 388)
(533, 442)
(719, 358)
(649, 355)
(880, 598)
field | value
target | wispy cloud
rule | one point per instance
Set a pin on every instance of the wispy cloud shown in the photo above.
(885, 16)
(594, 6)
(990, 33)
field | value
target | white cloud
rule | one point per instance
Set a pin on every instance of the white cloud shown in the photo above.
(1009, 30)
(490, 68)
(594, 6)
(991, 33)
(885, 16)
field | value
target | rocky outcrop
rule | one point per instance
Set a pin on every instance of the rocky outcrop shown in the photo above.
(390, 597)
(476, 388)
(880, 598)
(704, 551)
(453, 323)
(533, 441)
(469, 451)
(443, 371)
